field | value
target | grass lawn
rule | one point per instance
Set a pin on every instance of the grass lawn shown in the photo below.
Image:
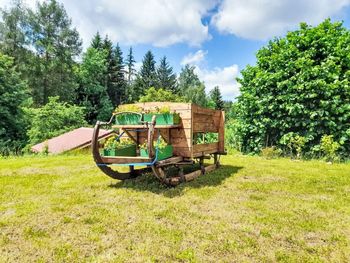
(62, 208)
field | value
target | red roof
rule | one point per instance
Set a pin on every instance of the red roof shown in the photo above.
(75, 139)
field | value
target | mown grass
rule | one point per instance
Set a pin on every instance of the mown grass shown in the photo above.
(63, 209)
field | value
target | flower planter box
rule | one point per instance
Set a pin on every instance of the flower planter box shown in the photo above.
(129, 150)
(163, 153)
(127, 118)
(163, 118)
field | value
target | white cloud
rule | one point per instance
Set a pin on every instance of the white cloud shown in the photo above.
(263, 19)
(157, 22)
(194, 59)
(224, 77)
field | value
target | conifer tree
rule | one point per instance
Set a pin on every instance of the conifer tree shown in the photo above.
(215, 96)
(97, 42)
(166, 79)
(146, 78)
(130, 63)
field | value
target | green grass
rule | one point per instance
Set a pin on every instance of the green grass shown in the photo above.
(63, 209)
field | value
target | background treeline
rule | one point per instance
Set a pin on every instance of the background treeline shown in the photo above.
(48, 86)
(294, 102)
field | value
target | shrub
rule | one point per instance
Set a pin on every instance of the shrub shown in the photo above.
(300, 84)
(294, 143)
(54, 119)
(271, 152)
(329, 147)
(161, 95)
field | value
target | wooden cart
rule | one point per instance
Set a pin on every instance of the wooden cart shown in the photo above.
(195, 121)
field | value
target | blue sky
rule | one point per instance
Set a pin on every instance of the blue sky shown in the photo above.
(218, 37)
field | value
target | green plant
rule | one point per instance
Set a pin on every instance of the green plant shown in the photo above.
(54, 119)
(160, 95)
(294, 142)
(114, 143)
(329, 147)
(208, 137)
(161, 144)
(300, 83)
(271, 152)
(128, 107)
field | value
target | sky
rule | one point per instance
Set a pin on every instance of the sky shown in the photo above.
(218, 37)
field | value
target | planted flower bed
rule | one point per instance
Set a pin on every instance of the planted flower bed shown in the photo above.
(128, 115)
(163, 116)
(164, 151)
(119, 148)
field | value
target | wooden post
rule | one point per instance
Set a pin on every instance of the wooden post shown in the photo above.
(150, 136)
(222, 132)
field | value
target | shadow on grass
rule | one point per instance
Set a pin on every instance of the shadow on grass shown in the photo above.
(148, 182)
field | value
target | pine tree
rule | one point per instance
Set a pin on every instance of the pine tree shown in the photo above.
(119, 81)
(146, 78)
(130, 63)
(97, 42)
(215, 96)
(166, 79)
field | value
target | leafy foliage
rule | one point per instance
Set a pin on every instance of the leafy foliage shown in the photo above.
(161, 95)
(92, 94)
(329, 147)
(12, 95)
(190, 87)
(54, 119)
(56, 44)
(301, 85)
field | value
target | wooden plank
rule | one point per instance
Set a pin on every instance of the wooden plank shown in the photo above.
(210, 168)
(201, 110)
(171, 160)
(222, 132)
(183, 151)
(204, 127)
(124, 159)
(192, 176)
(203, 149)
(143, 126)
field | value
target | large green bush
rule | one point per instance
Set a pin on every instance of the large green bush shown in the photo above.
(54, 119)
(299, 85)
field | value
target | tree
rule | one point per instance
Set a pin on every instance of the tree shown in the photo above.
(118, 85)
(130, 64)
(96, 41)
(12, 95)
(12, 31)
(147, 76)
(190, 87)
(215, 96)
(14, 36)
(56, 44)
(299, 86)
(162, 95)
(166, 79)
(54, 119)
(92, 94)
